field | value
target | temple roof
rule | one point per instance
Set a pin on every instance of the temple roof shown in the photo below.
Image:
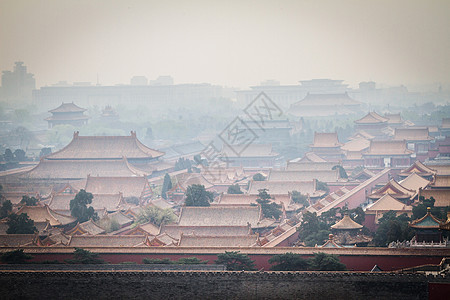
(218, 241)
(346, 223)
(418, 168)
(441, 181)
(321, 175)
(107, 240)
(372, 118)
(176, 230)
(246, 199)
(309, 157)
(395, 189)
(285, 187)
(44, 213)
(388, 148)
(394, 118)
(19, 240)
(330, 243)
(356, 145)
(412, 134)
(79, 169)
(220, 215)
(110, 202)
(104, 147)
(414, 182)
(88, 227)
(445, 123)
(310, 166)
(118, 216)
(326, 139)
(387, 203)
(128, 186)
(252, 150)
(426, 222)
(442, 196)
(362, 134)
(184, 180)
(326, 100)
(67, 107)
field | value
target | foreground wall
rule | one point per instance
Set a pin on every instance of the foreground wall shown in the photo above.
(214, 285)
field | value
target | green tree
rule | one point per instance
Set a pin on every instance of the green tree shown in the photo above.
(421, 209)
(236, 261)
(197, 195)
(299, 198)
(269, 209)
(20, 224)
(288, 262)
(322, 186)
(342, 172)
(259, 177)
(156, 216)
(81, 256)
(19, 155)
(325, 262)
(28, 201)
(15, 257)
(45, 151)
(79, 208)
(392, 228)
(167, 186)
(191, 261)
(313, 230)
(234, 189)
(8, 156)
(5, 209)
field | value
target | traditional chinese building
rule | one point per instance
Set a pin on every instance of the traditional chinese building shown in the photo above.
(372, 123)
(249, 156)
(427, 229)
(420, 169)
(417, 139)
(327, 146)
(377, 209)
(67, 113)
(387, 154)
(348, 233)
(394, 189)
(325, 105)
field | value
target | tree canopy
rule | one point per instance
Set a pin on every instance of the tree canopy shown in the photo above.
(167, 186)
(15, 257)
(288, 262)
(234, 189)
(28, 201)
(236, 261)
(269, 209)
(392, 228)
(197, 195)
(298, 197)
(325, 262)
(81, 256)
(5, 209)
(79, 208)
(156, 216)
(259, 177)
(20, 224)
(342, 172)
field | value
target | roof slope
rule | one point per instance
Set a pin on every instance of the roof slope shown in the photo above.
(412, 134)
(414, 182)
(419, 168)
(67, 107)
(326, 139)
(246, 199)
(388, 148)
(220, 215)
(284, 187)
(393, 188)
(326, 100)
(176, 230)
(310, 166)
(128, 186)
(346, 223)
(387, 203)
(372, 118)
(88, 227)
(107, 240)
(324, 176)
(218, 241)
(442, 196)
(105, 147)
(44, 213)
(426, 222)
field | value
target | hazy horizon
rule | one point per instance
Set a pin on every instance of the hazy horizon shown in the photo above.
(235, 44)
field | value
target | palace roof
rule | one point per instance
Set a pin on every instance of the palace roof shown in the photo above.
(223, 175)
(176, 231)
(442, 196)
(218, 241)
(220, 215)
(426, 222)
(309, 157)
(356, 145)
(372, 118)
(441, 181)
(44, 213)
(67, 108)
(412, 134)
(252, 150)
(440, 169)
(325, 139)
(445, 123)
(79, 169)
(107, 241)
(88, 227)
(110, 202)
(104, 147)
(387, 203)
(245, 199)
(324, 176)
(362, 134)
(129, 186)
(141, 229)
(395, 189)
(184, 180)
(388, 148)
(310, 166)
(326, 100)
(19, 240)
(285, 187)
(346, 223)
(59, 117)
(418, 168)
(330, 243)
(394, 118)
(119, 217)
(414, 182)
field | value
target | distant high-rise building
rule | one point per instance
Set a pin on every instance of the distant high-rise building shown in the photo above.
(18, 84)
(139, 80)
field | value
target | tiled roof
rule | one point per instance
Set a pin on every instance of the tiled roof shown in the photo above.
(346, 223)
(284, 187)
(105, 147)
(412, 134)
(358, 144)
(441, 181)
(442, 196)
(387, 203)
(249, 199)
(441, 169)
(309, 157)
(372, 118)
(414, 182)
(252, 150)
(330, 243)
(326, 139)
(128, 186)
(106, 240)
(175, 231)
(394, 118)
(122, 219)
(324, 176)
(220, 215)
(388, 148)
(310, 166)
(326, 100)
(78, 169)
(427, 222)
(362, 134)
(395, 189)
(44, 213)
(184, 180)
(419, 168)
(88, 227)
(19, 240)
(111, 202)
(67, 107)
(218, 241)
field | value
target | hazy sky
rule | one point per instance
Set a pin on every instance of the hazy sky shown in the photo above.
(234, 43)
